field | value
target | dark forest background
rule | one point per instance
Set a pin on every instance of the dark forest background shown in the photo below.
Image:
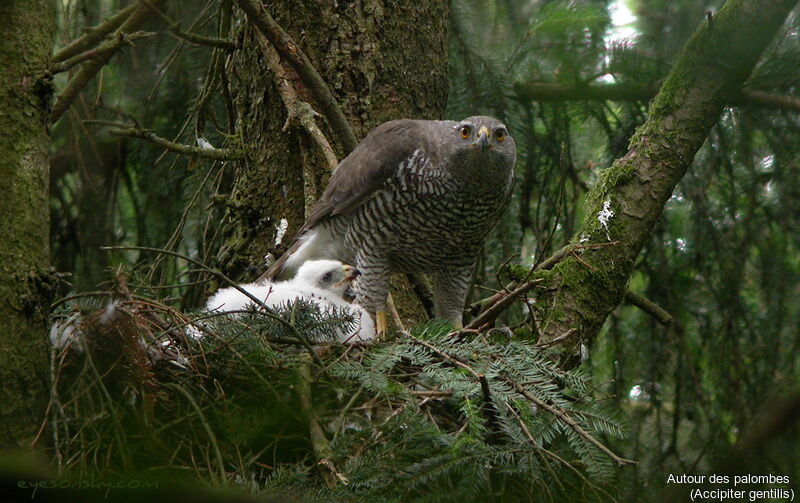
(696, 371)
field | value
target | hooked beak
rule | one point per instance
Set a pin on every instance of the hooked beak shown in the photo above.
(483, 139)
(350, 273)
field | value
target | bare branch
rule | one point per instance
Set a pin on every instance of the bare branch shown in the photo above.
(319, 443)
(290, 51)
(93, 35)
(192, 38)
(216, 154)
(91, 67)
(505, 300)
(112, 45)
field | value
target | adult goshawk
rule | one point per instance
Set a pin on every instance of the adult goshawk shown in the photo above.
(414, 196)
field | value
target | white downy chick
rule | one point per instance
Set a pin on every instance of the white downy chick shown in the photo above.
(324, 282)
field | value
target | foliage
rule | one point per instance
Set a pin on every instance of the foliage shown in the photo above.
(723, 262)
(217, 398)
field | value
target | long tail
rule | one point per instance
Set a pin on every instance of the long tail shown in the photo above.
(310, 245)
(274, 271)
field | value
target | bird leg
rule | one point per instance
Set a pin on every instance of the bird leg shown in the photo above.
(449, 293)
(380, 324)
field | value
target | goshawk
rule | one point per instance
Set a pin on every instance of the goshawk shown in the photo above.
(414, 196)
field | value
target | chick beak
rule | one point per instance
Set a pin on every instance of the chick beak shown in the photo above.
(350, 273)
(483, 139)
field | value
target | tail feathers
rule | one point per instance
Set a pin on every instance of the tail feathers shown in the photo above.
(274, 271)
(286, 266)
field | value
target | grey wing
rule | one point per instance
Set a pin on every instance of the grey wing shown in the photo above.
(367, 168)
(359, 175)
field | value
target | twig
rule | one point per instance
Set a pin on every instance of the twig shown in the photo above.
(209, 430)
(98, 293)
(556, 340)
(433, 393)
(291, 52)
(583, 262)
(93, 66)
(649, 307)
(93, 35)
(489, 314)
(559, 255)
(216, 154)
(544, 265)
(564, 417)
(192, 38)
(112, 45)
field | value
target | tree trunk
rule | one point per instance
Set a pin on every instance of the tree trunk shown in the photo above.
(628, 199)
(381, 60)
(27, 33)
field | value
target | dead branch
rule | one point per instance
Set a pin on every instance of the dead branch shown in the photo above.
(291, 52)
(319, 443)
(192, 38)
(216, 154)
(94, 65)
(505, 300)
(93, 35)
(112, 45)
(265, 310)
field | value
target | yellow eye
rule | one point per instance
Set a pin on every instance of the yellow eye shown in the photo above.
(465, 130)
(499, 135)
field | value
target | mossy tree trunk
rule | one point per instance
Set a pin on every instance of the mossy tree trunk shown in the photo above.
(27, 34)
(627, 201)
(382, 60)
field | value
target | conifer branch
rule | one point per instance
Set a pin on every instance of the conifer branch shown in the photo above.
(566, 419)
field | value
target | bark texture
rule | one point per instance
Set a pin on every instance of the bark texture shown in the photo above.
(27, 34)
(382, 60)
(630, 195)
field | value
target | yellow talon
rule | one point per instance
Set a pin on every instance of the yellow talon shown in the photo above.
(380, 322)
